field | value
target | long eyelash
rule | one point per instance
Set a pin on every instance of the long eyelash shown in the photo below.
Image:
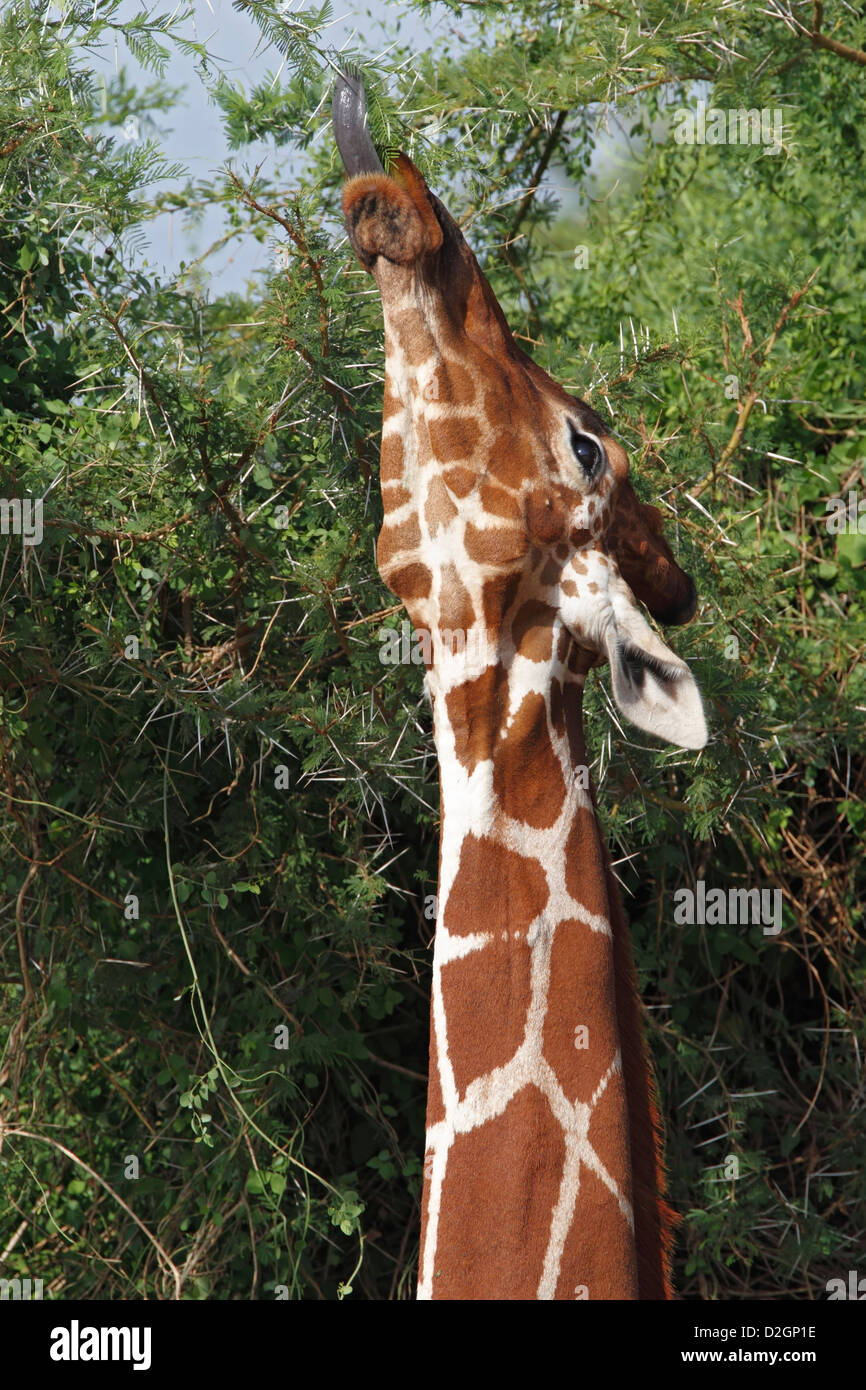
(663, 669)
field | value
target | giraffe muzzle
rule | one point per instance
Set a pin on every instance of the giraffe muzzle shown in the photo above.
(388, 215)
(677, 615)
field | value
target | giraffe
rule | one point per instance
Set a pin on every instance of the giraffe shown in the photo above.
(516, 543)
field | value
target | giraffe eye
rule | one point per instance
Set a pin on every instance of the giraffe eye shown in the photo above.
(587, 452)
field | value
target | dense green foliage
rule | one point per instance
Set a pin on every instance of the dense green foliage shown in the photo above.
(219, 808)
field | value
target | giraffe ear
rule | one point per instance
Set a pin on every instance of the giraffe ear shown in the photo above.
(652, 686)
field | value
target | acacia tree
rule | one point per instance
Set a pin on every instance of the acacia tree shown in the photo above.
(219, 805)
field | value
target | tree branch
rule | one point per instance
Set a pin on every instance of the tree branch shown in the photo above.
(819, 40)
(299, 238)
(538, 174)
(759, 358)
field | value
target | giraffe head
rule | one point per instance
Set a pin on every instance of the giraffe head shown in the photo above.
(507, 503)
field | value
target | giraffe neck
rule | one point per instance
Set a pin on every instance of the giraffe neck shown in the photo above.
(540, 1176)
(538, 1102)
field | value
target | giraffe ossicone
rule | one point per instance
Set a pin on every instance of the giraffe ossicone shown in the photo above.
(509, 518)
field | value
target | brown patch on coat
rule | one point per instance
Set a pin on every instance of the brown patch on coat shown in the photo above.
(476, 711)
(550, 571)
(395, 495)
(396, 538)
(500, 1256)
(546, 517)
(580, 998)
(504, 461)
(496, 885)
(495, 981)
(391, 459)
(498, 594)
(414, 340)
(527, 775)
(496, 501)
(456, 612)
(460, 481)
(408, 582)
(599, 1253)
(451, 382)
(502, 407)
(499, 545)
(439, 509)
(453, 438)
(532, 630)
(584, 861)
(435, 1102)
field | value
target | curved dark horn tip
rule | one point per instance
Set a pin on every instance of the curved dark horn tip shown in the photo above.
(349, 115)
